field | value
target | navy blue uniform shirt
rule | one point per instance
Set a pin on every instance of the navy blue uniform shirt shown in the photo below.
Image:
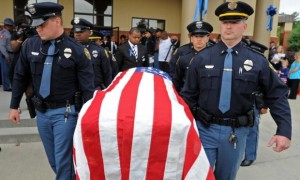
(203, 84)
(181, 51)
(182, 66)
(71, 70)
(101, 64)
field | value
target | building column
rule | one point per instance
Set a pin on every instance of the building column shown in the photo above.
(260, 33)
(187, 16)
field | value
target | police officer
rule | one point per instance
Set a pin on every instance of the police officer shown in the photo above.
(99, 56)
(219, 88)
(6, 52)
(59, 69)
(259, 108)
(199, 34)
(97, 38)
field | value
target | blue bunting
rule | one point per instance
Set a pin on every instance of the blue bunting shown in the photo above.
(201, 7)
(271, 11)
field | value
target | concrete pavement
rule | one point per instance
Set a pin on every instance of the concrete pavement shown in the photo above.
(27, 161)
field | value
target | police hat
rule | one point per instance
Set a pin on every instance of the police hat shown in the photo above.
(233, 10)
(257, 46)
(96, 35)
(199, 27)
(41, 12)
(8, 21)
(80, 24)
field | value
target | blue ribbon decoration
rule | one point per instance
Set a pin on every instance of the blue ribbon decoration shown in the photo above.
(197, 10)
(271, 11)
(204, 8)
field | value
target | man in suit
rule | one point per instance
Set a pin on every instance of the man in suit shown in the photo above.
(132, 53)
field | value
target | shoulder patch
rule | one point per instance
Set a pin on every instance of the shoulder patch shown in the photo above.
(106, 53)
(175, 51)
(87, 53)
(113, 58)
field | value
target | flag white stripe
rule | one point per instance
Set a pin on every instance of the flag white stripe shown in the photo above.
(200, 168)
(81, 161)
(177, 144)
(143, 124)
(108, 130)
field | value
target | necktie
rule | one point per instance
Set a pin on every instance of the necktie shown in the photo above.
(46, 76)
(134, 52)
(225, 95)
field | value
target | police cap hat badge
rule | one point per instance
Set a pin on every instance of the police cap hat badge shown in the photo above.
(41, 12)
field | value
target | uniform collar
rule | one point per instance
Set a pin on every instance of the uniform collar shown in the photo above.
(57, 40)
(236, 49)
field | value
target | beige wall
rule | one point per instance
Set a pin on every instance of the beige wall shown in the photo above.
(6, 12)
(169, 10)
(67, 13)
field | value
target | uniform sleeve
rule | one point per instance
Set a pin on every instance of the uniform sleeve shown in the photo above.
(85, 76)
(177, 77)
(3, 44)
(119, 58)
(173, 61)
(276, 93)
(106, 68)
(21, 77)
(190, 90)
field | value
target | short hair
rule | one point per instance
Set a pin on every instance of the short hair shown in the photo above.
(135, 29)
(122, 36)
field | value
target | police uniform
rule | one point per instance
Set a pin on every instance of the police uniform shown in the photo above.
(224, 135)
(253, 135)
(6, 54)
(183, 61)
(113, 63)
(72, 72)
(99, 56)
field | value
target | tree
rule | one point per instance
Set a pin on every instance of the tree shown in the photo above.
(294, 39)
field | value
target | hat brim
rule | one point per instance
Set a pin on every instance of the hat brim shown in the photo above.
(80, 28)
(200, 31)
(37, 22)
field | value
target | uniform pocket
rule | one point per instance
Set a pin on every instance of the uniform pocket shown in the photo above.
(246, 83)
(66, 64)
(209, 78)
(37, 65)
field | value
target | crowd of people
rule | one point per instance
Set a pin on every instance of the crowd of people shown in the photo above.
(216, 80)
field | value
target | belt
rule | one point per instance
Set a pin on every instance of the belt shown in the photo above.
(225, 121)
(54, 105)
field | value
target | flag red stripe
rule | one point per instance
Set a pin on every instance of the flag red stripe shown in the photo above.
(91, 139)
(116, 81)
(193, 146)
(161, 131)
(125, 124)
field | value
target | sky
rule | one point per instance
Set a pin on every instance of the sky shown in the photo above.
(289, 6)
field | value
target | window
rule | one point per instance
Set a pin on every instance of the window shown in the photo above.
(96, 11)
(148, 23)
(19, 6)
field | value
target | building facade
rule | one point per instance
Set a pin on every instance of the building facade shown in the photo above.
(171, 15)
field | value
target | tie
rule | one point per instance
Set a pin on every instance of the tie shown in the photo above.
(225, 95)
(134, 52)
(46, 76)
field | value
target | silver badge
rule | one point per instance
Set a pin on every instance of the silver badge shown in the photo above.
(67, 52)
(95, 53)
(248, 64)
(31, 9)
(76, 20)
(199, 24)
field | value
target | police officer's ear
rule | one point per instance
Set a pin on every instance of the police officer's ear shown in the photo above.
(91, 32)
(189, 35)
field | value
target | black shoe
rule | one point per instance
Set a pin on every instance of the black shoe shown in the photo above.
(246, 162)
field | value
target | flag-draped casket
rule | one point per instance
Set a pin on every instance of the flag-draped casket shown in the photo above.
(138, 128)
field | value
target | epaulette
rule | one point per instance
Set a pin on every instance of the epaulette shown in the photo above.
(174, 53)
(254, 50)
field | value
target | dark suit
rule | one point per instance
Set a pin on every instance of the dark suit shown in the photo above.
(127, 60)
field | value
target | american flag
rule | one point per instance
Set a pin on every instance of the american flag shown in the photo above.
(138, 128)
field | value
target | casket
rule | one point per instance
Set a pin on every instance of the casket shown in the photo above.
(138, 128)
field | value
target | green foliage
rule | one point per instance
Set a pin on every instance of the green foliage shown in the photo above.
(294, 39)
